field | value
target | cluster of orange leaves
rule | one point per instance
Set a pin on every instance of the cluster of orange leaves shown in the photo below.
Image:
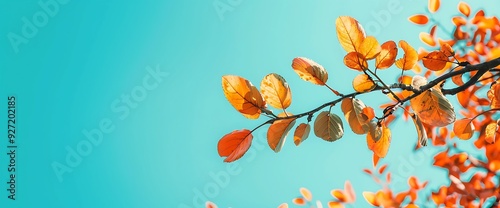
(430, 111)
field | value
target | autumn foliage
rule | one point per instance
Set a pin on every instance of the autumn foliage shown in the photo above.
(461, 67)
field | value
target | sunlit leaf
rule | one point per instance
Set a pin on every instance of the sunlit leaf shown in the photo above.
(463, 128)
(276, 91)
(339, 195)
(434, 5)
(363, 83)
(378, 139)
(494, 95)
(276, 135)
(369, 48)
(310, 71)
(422, 135)
(435, 60)
(301, 133)
(491, 132)
(244, 97)
(350, 33)
(433, 108)
(356, 61)
(375, 160)
(387, 55)
(419, 19)
(410, 56)
(328, 126)
(464, 8)
(306, 194)
(234, 145)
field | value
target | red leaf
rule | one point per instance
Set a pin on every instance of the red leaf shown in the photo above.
(234, 145)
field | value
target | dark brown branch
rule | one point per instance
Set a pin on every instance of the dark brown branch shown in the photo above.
(480, 68)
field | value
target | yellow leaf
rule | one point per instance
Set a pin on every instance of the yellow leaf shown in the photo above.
(433, 108)
(369, 48)
(370, 198)
(387, 55)
(301, 133)
(464, 8)
(350, 33)
(434, 5)
(363, 83)
(276, 135)
(328, 126)
(356, 61)
(306, 194)
(243, 96)
(276, 91)
(334, 204)
(490, 132)
(463, 128)
(422, 134)
(310, 71)
(410, 56)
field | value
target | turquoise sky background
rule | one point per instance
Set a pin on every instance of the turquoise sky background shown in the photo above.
(76, 73)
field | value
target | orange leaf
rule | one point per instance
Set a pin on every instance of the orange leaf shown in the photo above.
(433, 108)
(306, 194)
(363, 83)
(369, 48)
(310, 71)
(494, 95)
(435, 60)
(427, 39)
(464, 8)
(244, 97)
(382, 169)
(346, 105)
(328, 126)
(434, 5)
(209, 204)
(387, 55)
(463, 128)
(339, 194)
(276, 135)
(378, 139)
(299, 201)
(301, 133)
(412, 181)
(370, 198)
(356, 61)
(375, 160)
(447, 50)
(333, 204)
(367, 114)
(276, 91)
(410, 56)
(234, 145)
(350, 33)
(490, 131)
(419, 19)
(411, 205)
